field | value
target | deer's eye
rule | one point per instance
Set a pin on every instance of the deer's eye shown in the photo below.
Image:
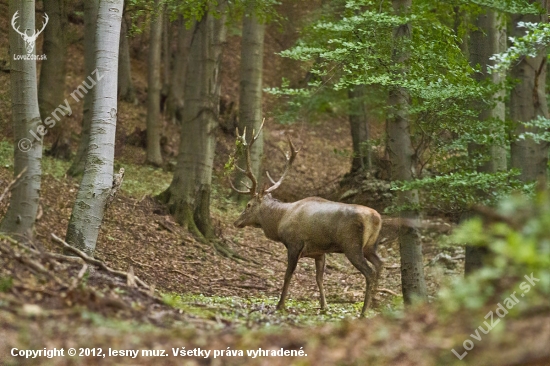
(248, 205)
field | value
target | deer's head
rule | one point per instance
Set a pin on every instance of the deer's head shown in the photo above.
(250, 215)
(29, 40)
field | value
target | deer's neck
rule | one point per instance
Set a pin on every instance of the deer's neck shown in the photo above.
(271, 213)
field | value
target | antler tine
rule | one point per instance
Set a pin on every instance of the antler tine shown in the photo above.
(240, 169)
(289, 161)
(248, 171)
(259, 130)
(235, 189)
(269, 177)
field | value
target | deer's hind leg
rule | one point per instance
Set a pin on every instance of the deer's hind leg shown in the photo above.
(371, 255)
(356, 257)
(319, 271)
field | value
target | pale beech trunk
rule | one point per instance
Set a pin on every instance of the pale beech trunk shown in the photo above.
(402, 161)
(52, 75)
(359, 126)
(174, 101)
(154, 156)
(21, 214)
(250, 101)
(487, 39)
(88, 209)
(527, 102)
(90, 20)
(126, 90)
(188, 196)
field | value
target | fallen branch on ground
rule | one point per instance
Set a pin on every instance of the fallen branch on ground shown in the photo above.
(184, 274)
(387, 291)
(97, 262)
(149, 290)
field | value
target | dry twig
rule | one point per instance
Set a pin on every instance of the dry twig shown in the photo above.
(97, 262)
(387, 291)
(12, 184)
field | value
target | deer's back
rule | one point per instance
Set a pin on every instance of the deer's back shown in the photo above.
(327, 226)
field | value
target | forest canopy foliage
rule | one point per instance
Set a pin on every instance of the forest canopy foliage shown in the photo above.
(350, 43)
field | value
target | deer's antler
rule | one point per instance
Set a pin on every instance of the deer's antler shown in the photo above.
(289, 160)
(252, 190)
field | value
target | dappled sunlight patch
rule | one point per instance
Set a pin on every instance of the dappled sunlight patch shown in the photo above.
(140, 180)
(255, 312)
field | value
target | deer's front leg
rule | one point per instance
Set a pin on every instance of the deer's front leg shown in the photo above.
(293, 256)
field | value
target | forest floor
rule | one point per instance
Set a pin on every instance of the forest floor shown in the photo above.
(199, 299)
(208, 302)
(203, 300)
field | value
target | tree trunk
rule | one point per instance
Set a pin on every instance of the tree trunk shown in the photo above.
(402, 160)
(166, 58)
(527, 102)
(88, 209)
(358, 120)
(126, 90)
(154, 156)
(90, 20)
(174, 102)
(250, 101)
(52, 75)
(21, 214)
(487, 39)
(188, 196)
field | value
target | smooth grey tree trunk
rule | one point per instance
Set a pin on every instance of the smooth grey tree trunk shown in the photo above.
(175, 99)
(188, 196)
(126, 90)
(166, 57)
(51, 88)
(359, 126)
(21, 214)
(90, 19)
(250, 100)
(401, 156)
(154, 156)
(97, 181)
(488, 38)
(527, 102)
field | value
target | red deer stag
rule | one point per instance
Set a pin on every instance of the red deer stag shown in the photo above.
(312, 227)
